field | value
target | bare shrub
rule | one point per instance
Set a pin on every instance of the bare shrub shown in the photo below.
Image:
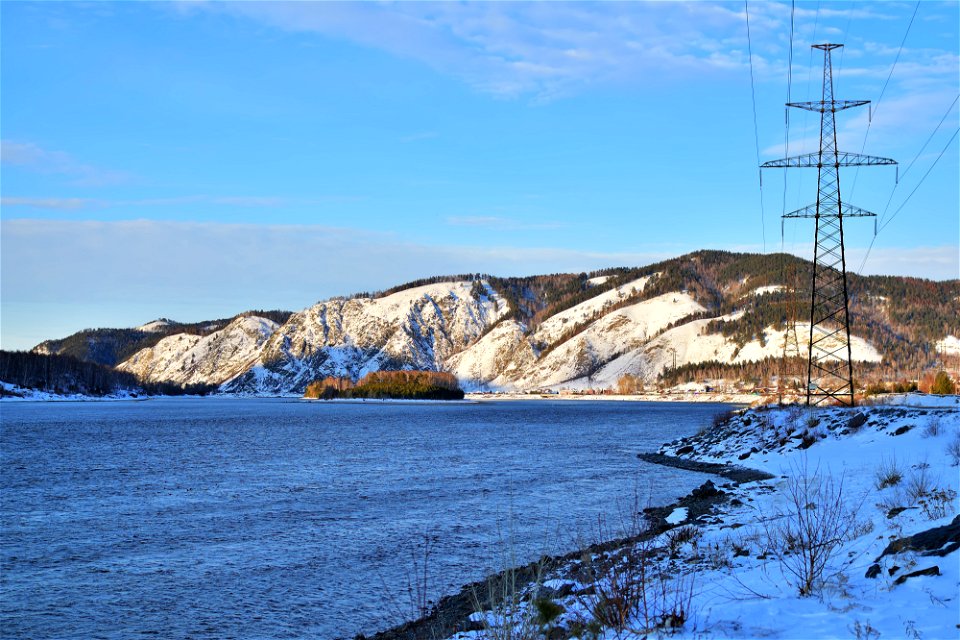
(620, 588)
(953, 450)
(414, 601)
(919, 483)
(811, 528)
(893, 501)
(863, 631)
(723, 418)
(634, 593)
(505, 613)
(932, 428)
(888, 474)
(680, 536)
(938, 503)
(672, 604)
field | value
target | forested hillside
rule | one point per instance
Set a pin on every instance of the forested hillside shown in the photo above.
(62, 374)
(112, 346)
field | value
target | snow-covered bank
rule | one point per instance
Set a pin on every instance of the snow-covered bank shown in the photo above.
(14, 393)
(730, 398)
(856, 535)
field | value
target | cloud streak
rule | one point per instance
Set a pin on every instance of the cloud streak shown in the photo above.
(527, 49)
(269, 202)
(549, 50)
(498, 223)
(33, 157)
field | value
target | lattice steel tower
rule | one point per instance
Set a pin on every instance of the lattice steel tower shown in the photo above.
(830, 367)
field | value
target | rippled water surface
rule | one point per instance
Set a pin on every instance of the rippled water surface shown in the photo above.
(273, 518)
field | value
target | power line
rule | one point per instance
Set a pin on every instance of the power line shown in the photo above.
(846, 32)
(816, 24)
(904, 203)
(916, 157)
(897, 184)
(876, 105)
(756, 134)
(786, 136)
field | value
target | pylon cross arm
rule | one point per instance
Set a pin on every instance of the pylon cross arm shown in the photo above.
(846, 210)
(819, 160)
(821, 106)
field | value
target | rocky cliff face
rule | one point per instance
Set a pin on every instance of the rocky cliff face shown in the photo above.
(419, 328)
(212, 359)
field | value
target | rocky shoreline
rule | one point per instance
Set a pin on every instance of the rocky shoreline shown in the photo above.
(453, 613)
(720, 560)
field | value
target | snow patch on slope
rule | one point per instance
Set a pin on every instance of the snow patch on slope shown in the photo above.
(691, 343)
(949, 346)
(621, 330)
(770, 288)
(156, 325)
(554, 326)
(212, 359)
(491, 363)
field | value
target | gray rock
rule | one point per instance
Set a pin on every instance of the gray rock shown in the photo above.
(938, 541)
(929, 571)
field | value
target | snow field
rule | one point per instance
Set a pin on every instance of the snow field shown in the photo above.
(883, 474)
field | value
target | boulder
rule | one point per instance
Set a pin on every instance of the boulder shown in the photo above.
(938, 541)
(929, 571)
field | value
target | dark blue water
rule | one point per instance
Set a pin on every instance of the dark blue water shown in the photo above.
(226, 518)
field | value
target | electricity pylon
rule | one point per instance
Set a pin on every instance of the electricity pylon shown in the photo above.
(830, 366)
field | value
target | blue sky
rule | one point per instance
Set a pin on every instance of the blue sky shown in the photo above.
(193, 160)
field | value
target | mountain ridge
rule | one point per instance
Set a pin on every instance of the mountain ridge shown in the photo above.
(577, 330)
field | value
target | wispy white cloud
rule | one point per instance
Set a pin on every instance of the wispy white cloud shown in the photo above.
(47, 203)
(533, 49)
(499, 223)
(267, 202)
(35, 158)
(420, 135)
(940, 263)
(549, 50)
(899, 123)
(930, 262)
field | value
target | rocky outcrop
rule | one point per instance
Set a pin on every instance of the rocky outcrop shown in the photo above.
(212, 359)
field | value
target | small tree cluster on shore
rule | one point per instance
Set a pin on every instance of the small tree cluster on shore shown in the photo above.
(328, 388)
(943, 385)
(414, 385)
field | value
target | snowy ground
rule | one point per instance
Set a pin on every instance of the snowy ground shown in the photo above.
(846, 484)
(673, 396)
(13, 393)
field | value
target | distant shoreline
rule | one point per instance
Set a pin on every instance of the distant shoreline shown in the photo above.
(728, 398)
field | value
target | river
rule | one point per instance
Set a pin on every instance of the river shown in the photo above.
(280, 518)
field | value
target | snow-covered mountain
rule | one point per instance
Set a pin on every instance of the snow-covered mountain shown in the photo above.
(570, 330)
(215, 358)
(417, 328)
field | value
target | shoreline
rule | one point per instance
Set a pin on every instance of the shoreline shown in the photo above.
(721, 398)
(775, 440)
(469, 398)
(453, 613)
